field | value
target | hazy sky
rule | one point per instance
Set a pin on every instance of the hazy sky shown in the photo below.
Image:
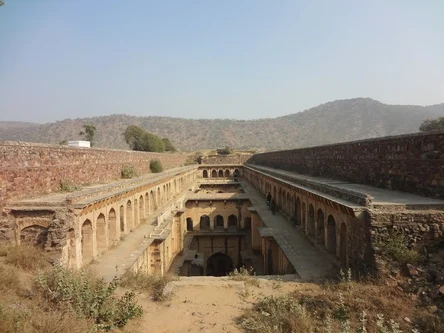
(239, 59)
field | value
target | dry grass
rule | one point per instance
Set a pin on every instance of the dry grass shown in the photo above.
(245, 275)
(151, 284)
(334, 306)
(25, 257)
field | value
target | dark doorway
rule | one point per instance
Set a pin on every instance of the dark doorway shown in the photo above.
(189, 224)
(219, 264)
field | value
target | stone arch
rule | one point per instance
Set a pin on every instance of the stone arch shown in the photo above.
(141, 210)
(34, 235)
(331, 234)
(311, 228)
(129, 215)
(189, 224)
(213, 174)
(227, 173)
(71, 243)
(303, 217)
(101, 232)
(343, 249)
(219, 264)
(297, 211)
(122, 219)
(236, 173)
(219, 222)
(232, 221)
(163, 195)
(320, 233)
(205, 173)
(221, 173)
(204, 222)
(112, 226)
(87, 242)
(153, 201)
(159, 198)
(147, 204)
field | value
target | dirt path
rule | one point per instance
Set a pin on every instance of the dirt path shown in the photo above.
(211, 305)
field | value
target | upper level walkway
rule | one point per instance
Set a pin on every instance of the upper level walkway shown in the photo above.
(356, 194)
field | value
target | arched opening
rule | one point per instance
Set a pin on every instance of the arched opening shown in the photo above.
(87, 242)
(129, 215)
(112, 226)
(343, 258)
(158, 197)
(236, 173)
(122, 219)
(153, 206)
(232, 222)
(331, 234)
(141, 211)
(189, 224)
(147, 204)
(34, 235)
(320, 226)
(219, 222)
(205, 174)
(297, 211)
(71, 242)
(303, 218)
(221, 173)
(227, 173)
(219, 264)
(247, 223)
(204, 222)
(214, 174)
(311, 221)
(101, 234)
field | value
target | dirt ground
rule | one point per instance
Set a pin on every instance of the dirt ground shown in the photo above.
(211, 305)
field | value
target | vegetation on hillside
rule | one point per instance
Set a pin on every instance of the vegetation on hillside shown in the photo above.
(432, 125)
(337, 121)
(141, 140)
(156, 166)
(89, 131)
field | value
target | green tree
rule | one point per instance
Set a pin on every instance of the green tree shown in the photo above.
(88, 132)
(140, 140)
(1, 3)
(432, 125)
(168, 145)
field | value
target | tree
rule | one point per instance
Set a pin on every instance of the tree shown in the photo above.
(168, 145)
(140, 140)
(88, 131)
(432, 125)
(1, 3)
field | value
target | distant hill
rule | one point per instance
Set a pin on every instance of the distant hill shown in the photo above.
(337, 121)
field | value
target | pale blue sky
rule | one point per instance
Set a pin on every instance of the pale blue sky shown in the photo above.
(240, 59)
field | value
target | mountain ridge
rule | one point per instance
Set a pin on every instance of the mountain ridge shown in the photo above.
(331, 122)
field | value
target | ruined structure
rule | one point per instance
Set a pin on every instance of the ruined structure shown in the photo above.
(335, 203)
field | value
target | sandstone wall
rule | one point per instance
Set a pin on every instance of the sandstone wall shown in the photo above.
(28, 169)
(411, 163)
(226, 159)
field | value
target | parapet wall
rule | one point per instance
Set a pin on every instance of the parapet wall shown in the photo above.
(411, 163)
(226, 159)
(28, 169)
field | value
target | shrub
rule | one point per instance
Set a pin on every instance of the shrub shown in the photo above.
(128, 172)
(244, 274)
(67, 186)
(152, 284)
(395, 247)
(156, 166)
(89, 297)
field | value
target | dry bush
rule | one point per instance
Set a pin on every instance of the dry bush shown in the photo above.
(9, 279)
(246, 275)
(27, 257)
(151, 284)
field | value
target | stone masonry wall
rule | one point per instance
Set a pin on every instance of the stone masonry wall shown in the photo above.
(226, 159)
(411, 163)
(28, 169)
